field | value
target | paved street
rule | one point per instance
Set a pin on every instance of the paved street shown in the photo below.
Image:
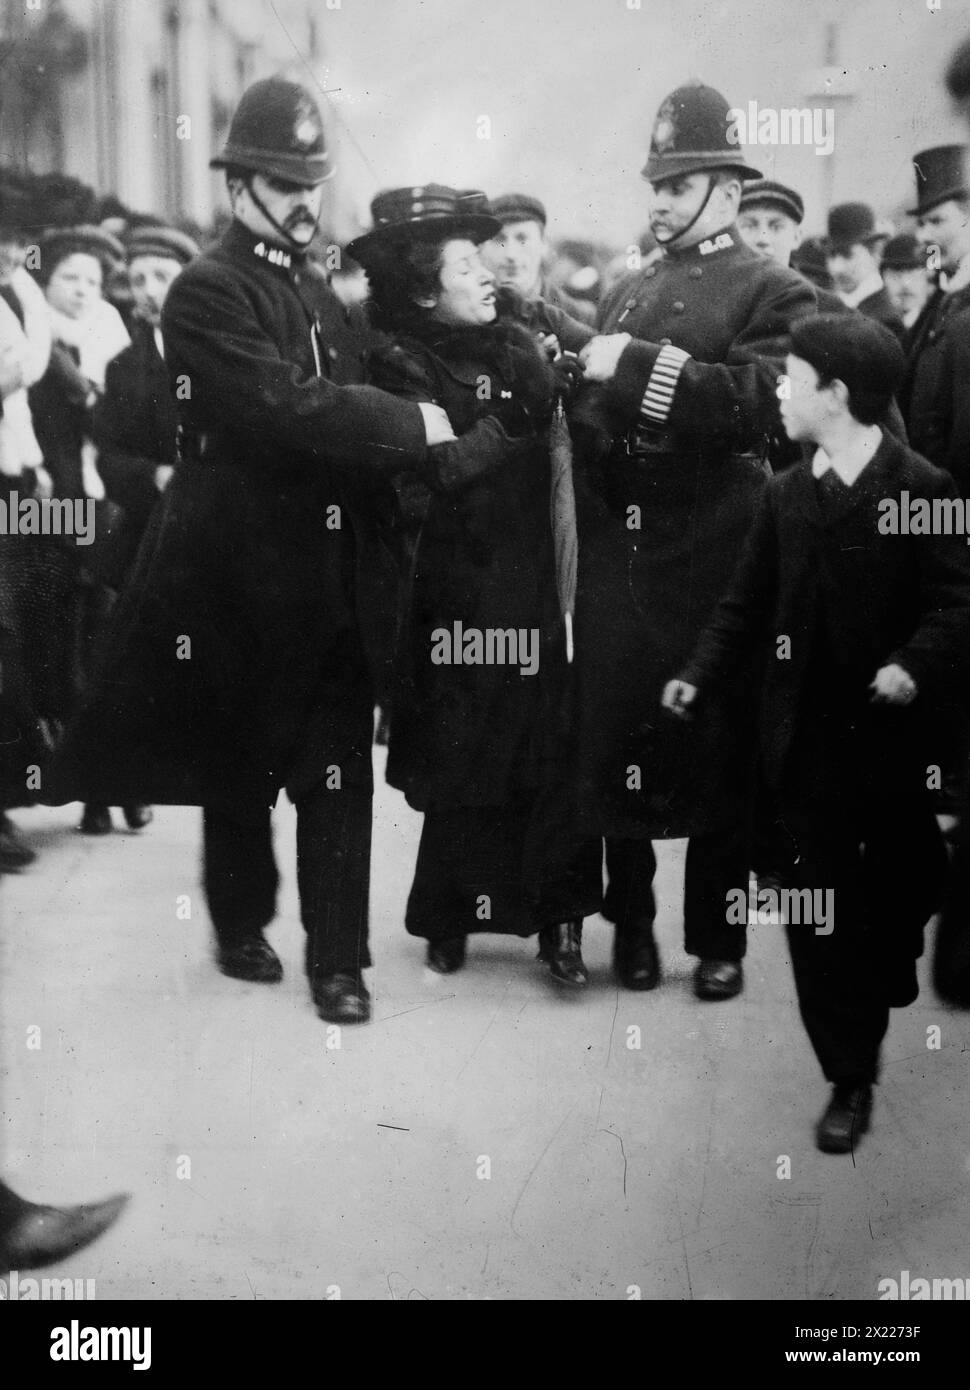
(484, 1138)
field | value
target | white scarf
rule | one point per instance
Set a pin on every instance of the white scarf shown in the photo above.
(98, 337)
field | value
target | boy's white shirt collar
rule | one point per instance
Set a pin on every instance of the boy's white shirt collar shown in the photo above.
(850, 464)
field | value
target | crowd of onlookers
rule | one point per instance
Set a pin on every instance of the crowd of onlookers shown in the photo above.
(82, 282)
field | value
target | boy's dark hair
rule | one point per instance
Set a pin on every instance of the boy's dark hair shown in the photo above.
(399, 275)
(856, 350)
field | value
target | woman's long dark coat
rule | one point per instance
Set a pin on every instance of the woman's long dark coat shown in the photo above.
(474, 735)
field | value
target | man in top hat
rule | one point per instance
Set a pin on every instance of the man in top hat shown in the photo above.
(905, 276)
(136, 422)
(241, 660)
(930, 390)
(516, 255)
(853, 262)
(672, 436)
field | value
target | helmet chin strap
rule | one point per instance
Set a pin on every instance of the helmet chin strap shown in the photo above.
(277, 226)
(697, 215)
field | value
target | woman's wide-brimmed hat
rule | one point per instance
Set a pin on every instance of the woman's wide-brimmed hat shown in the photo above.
(61, 242)
(427, 212)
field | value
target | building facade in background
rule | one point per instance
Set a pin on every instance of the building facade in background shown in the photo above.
(133, 96)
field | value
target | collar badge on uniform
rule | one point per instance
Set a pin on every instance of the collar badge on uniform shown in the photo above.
(718, 243)
(274, 254)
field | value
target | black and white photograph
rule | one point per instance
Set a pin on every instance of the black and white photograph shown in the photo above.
(485, 662)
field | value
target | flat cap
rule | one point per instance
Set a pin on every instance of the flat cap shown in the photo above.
(758, 192)
(518, 207)
(161, 241)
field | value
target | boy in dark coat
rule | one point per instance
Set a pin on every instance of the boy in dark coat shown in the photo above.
(866, 623)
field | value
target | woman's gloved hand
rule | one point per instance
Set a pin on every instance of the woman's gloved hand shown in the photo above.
(526, 399)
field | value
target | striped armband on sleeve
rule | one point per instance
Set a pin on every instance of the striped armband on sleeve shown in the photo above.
(659, 395)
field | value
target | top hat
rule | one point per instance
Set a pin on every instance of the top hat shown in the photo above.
(692, 134)
(429, 212)
(940, 176)
(903, 252)
(759, 192)
(277, 130)
(851, 224)
(518, 207)
(168, 242)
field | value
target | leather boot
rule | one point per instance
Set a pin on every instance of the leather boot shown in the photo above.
(15, 853)
(446, 954)
(635, 957)
(96, 820)
(252, 958)
(33, 1236)
(846, 1118)
(560, 947)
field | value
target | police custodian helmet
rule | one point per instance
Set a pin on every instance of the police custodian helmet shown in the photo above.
(692, 134)
(277, 131)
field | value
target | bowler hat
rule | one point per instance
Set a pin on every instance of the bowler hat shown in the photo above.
(759, 192)
(428, 212)
(168, 242)
(958, 73)
(692, 134)
(851, 224)
(940, 176)
(277, 131)
(518, 207)
(903, 252)
(809, 260)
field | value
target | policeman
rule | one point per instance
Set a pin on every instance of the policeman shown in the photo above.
(241, 660)
(671, 444)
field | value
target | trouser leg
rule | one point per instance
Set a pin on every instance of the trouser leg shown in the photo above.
(239, 874)
(333, 844)
(630, 867)
(951, 958)
(717, 866)
(840, 999)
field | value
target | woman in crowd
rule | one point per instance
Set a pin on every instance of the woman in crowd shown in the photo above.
(88, 333)
(35, 577)
(481, 655)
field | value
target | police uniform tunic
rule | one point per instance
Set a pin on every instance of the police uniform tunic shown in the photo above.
(672, 468)
(237, 662)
